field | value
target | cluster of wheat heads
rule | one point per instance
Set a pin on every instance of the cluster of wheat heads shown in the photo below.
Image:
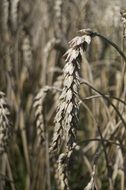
(64, 144)
(71, 135)
(66, 120)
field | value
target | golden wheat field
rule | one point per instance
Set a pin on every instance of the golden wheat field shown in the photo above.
(63, 95)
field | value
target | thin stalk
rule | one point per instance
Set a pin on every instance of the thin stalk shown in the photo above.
(25, 147)
(107, 141)
(48, 163)
(112, 44)
(111, 97)
(10, 173)
(94, 34)
(106, 158)
(122, 82)
(47, 154)
(106, 98)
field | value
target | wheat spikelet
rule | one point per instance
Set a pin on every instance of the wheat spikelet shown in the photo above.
(58, 84)
(58, 15)
(27, 59)
(58, 9)
(27, 52)
(62, 169)
(62, 172)
(39, 112)
(14, 13)
(5, 124)
(58, 130)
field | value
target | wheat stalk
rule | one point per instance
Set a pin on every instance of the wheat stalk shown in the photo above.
(5, 15)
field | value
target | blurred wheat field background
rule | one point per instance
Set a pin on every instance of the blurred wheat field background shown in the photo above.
(62, 95)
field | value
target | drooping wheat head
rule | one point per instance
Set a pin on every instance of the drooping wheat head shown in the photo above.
(66, 118)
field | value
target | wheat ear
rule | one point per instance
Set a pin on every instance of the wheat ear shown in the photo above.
(14, 13)
(39, 112)
(66, 118)
(5, 123)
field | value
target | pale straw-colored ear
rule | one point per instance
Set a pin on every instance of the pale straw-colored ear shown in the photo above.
(66, 119)
(67, 110)
(14, 13)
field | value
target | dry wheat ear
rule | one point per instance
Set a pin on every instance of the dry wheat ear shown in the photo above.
(66, 119)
